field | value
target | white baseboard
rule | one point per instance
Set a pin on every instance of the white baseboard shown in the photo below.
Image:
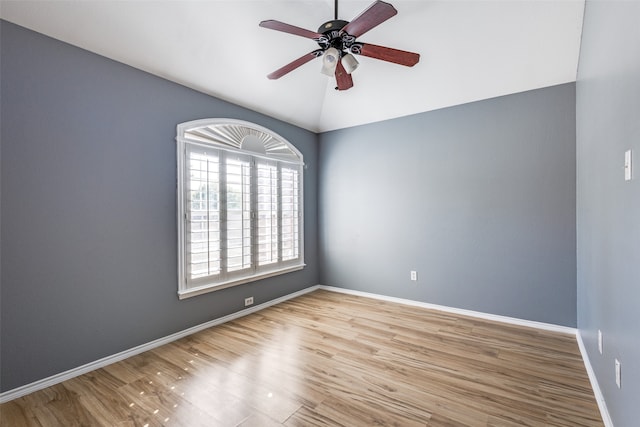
(478, 314)
(80, 370)
(602, 405)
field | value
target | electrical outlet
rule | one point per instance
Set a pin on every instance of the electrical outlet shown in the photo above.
(414, 275)
(600, 341)
(248, 301)
(618, 373)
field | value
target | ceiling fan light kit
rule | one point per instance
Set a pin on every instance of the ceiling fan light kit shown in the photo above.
(330, 61)
(350, 63)
(338, 44)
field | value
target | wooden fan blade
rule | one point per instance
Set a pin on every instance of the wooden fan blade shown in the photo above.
(294, 64)
(343, 79)
(371, 17)
(291, 29)
(388, 54)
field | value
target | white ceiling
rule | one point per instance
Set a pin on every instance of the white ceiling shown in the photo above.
(470, 50)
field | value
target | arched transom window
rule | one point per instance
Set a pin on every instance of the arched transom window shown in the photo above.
(239, 205)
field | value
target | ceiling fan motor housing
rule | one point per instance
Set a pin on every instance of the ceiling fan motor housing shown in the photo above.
(334, 37)
(330, 26)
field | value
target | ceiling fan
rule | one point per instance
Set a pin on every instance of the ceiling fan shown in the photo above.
(338, 44)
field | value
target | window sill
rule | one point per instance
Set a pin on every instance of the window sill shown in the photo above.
(192, 292)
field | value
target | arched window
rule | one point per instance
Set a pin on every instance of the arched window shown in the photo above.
(239, 205)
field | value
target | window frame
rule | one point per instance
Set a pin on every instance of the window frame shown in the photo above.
(284, 156)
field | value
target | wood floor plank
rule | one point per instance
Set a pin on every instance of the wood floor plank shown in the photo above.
(330, 359)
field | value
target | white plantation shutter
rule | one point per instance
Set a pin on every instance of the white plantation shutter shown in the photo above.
(239, 205)
(237, 177)
(290, 224)
(267, 212)
(203, 213)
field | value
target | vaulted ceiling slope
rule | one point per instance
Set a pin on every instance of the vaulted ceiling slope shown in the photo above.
(470, 50)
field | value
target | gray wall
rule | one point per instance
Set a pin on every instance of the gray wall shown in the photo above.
(88, 217)
(608, 124)
(478, 198)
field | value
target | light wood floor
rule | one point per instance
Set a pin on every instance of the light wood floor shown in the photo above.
(329, 359)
